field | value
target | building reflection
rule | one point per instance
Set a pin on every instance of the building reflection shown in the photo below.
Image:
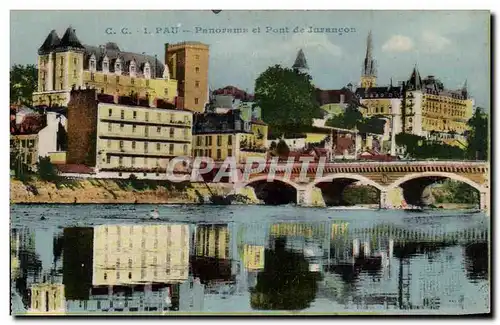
(119, 268)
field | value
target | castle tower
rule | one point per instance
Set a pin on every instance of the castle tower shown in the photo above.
(300, 63)
(369, 73)
(188, 64)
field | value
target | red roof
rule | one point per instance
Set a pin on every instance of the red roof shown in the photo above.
(235, 92)
(31, 124)
(257, 121)
(74, 169)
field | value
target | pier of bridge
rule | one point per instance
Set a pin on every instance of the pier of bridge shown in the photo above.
(412, 177)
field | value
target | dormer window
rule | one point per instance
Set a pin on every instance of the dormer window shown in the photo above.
(132, 69)
(93, 63)
(147, 71)
(118, 67)
(105, 65)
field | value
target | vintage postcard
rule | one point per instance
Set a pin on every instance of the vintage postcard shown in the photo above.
(219, 162)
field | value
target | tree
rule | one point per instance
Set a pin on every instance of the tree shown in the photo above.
(477, 138)
(23, 82)
(286, 98)
(282, 149)
(46, 169)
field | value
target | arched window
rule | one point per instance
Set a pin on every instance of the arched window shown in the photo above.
(118, 66)
(105, 65)
(147, 71)
(132, 69)
(92, 63)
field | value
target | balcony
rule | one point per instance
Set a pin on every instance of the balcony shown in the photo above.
(142, 153)
(136, 121)
(143, 137)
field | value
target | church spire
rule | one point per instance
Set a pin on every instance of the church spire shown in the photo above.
(300, 61)
(464, 89)
(369, 71)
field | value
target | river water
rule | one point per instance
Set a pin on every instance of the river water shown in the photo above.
(78, 259)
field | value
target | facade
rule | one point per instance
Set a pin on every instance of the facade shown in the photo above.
(65, 63)
(124, 139)
(423, 107)
(47, 298)
(213, 241)
(135, 254)
(25, 140)
(188, 63)
(219, 136)
(434, 111)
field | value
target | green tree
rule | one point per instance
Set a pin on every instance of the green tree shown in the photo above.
(282, 149)
(46, 169)
(23, 82)
(286, 98)
(477, 137)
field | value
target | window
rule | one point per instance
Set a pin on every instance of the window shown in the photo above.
(61, 86)
(186, 119)
(157, 165)
(158, 116)
(74, 74)
(62, 61)
(109, 144)
(171, 149)
(133, 161)
(166, 91)
(105, 78)
(110, 127)
(147, 116)
(197, 84)
(185, 149)
(186, 133)
(229, 152)
(133, 144)
(158, 147)
(219, 140)
(108, 159)
(117, 79)
(110, 112)
(145, 149)
(198, 140)
(172, 132)
(92, 76)
(120, 161)
(197, 69)
(171, 118)
(219, 155)
(134, 114)
(147, 83)
(197, 57)
(158, 129)
(121, 126)
(134, 127)
(146, 131)
(196, 100)
(121, 144)
(75, 61)
(229, 140)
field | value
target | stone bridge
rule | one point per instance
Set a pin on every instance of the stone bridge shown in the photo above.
(411, 176)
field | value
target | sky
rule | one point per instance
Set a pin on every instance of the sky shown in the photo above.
(453, 46)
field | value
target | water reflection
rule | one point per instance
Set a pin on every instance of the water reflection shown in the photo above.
(199, 267)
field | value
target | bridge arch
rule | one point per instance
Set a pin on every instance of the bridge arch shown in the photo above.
(265, 178)
(356, 177)
(480, 188)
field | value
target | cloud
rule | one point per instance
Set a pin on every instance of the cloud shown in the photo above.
(434, 43)
(398, 43)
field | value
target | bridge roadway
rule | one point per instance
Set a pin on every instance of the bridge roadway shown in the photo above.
(411, 176)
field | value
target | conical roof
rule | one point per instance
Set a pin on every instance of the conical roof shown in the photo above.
(300, 61)
(415, 81)
(69, 39)
(51, 42)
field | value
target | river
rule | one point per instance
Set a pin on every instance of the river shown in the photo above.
(79, 259)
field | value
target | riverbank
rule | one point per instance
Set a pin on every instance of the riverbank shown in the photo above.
(111, 192)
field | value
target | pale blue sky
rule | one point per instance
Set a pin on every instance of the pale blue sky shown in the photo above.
(451, 45)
